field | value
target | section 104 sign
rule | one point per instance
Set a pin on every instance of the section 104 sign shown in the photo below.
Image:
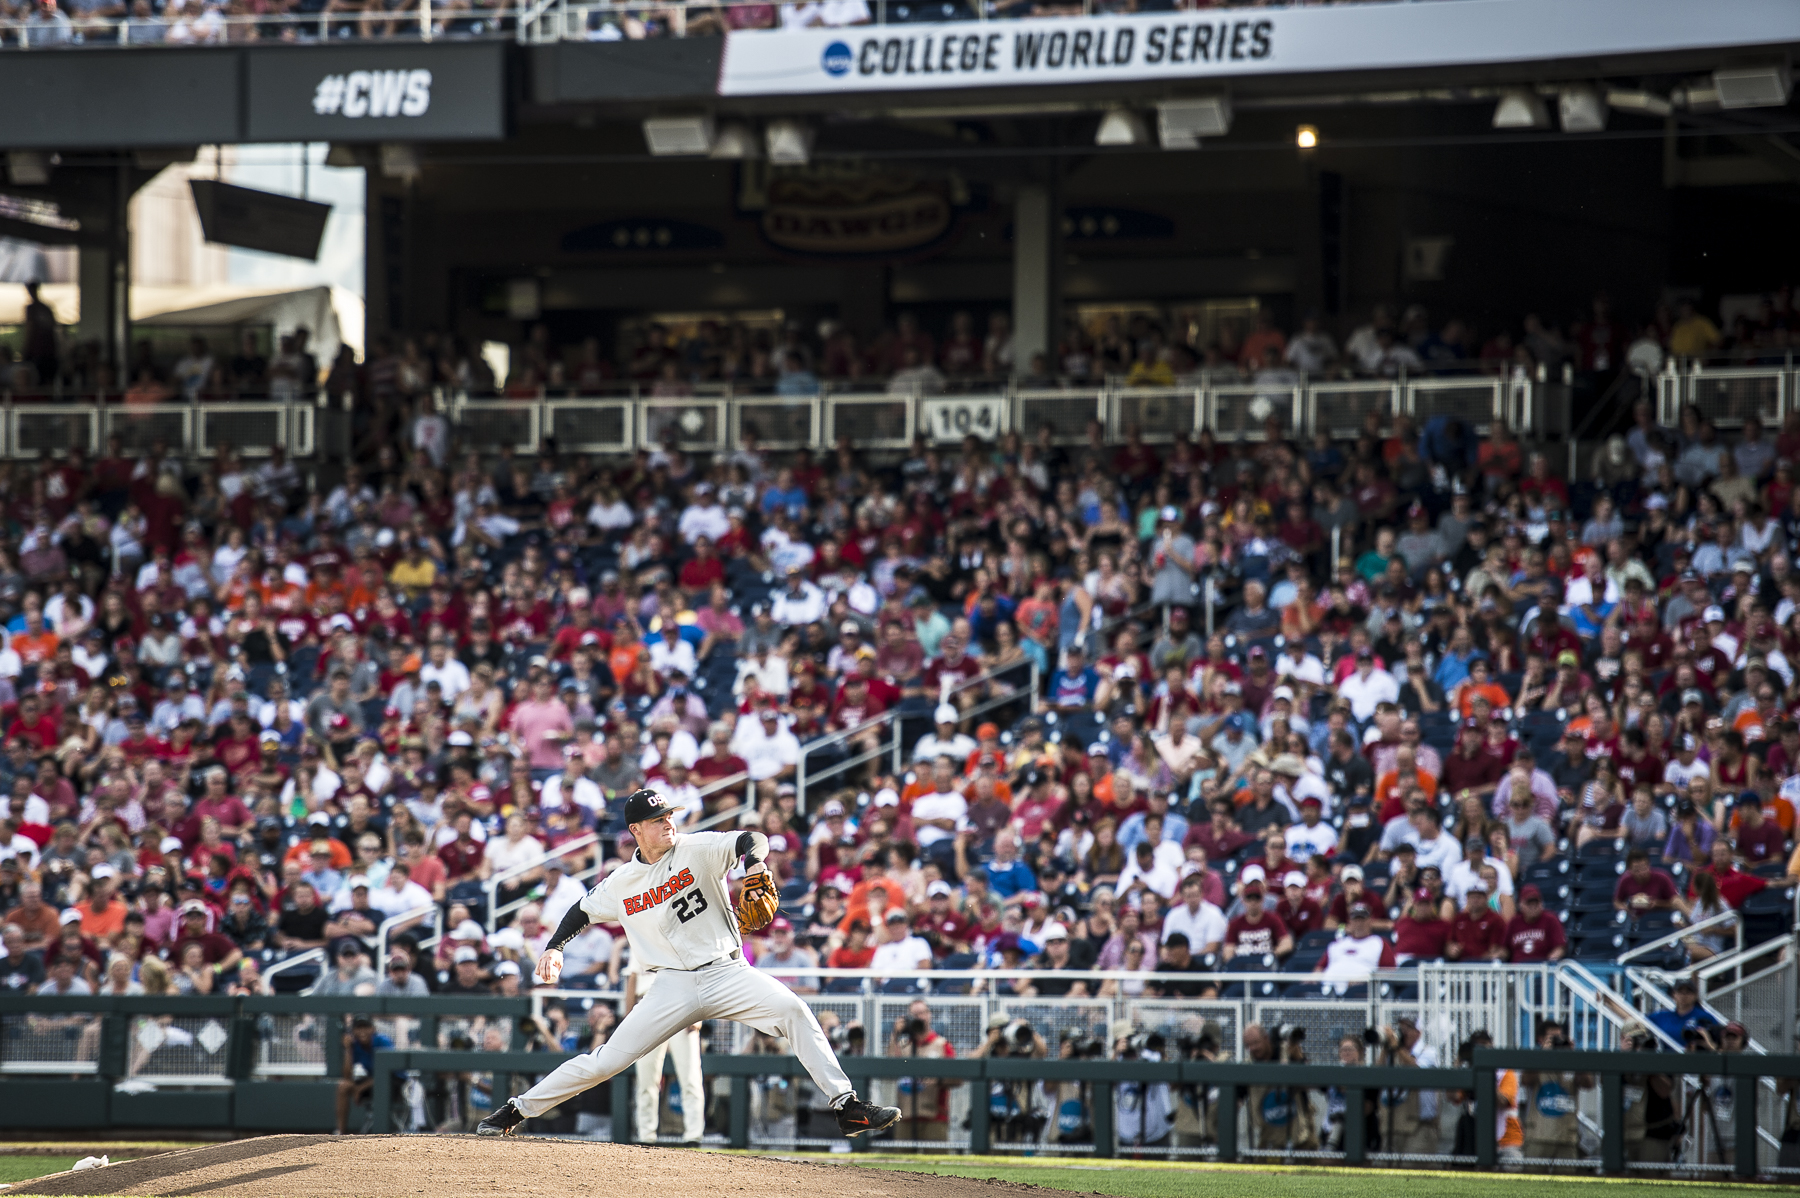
(954, 419)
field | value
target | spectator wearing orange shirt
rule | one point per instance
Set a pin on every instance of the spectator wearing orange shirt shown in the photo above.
(102, 914)
(1406, 765)
(36, 644)
(1480, 684)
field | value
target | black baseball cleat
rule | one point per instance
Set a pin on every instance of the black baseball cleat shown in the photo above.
(858, 1118)
(503, 1121)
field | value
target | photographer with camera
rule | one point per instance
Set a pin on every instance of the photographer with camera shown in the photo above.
(1144, 1111)
(1282, 1118)
(1548, 1120)
(1651, 1123)
(1014, 1112)
(924, 1101)
(1409, 1118)
(1337, 1099)
(1711, 1107)
(1195, 1109)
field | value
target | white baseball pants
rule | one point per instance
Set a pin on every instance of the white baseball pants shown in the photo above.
(727, 990)
(684, 1045)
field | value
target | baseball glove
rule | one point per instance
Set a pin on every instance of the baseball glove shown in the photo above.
(756, 902)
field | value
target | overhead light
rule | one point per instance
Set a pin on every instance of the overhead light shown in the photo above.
(1582, 109)
(736, 140)
(1180, 124)
(673, 135)
(789, 142)
(1752, 87)
(1648, 103)
(1306, 137)
(1521, 108)
(1121, 127)
(28, 168)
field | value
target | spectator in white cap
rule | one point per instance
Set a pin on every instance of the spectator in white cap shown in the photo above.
(102, 913)
(506, 979)
(1281, 706)
(465, 973)
(944, 740)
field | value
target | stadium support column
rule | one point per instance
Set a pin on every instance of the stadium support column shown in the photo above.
(103, 265)
(1037, 243)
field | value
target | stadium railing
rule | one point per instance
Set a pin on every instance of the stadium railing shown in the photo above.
(716, 418)
(1747, 1139)
(1727, 393)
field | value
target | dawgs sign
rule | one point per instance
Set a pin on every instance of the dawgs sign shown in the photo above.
(1220, 43)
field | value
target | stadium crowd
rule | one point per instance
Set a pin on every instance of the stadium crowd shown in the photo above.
(1513, 720)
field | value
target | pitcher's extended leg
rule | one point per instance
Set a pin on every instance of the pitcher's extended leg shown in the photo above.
(755, 998)
(672, 1005)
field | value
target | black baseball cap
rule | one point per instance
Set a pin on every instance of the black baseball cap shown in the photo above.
(646, 804)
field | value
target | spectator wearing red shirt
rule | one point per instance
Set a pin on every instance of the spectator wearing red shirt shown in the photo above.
(34, 724)
(1734, 884)
(462, 857)
(216, 949)
(701, 571)
(1534, 934)
(1470, 767)
(941, 925)
(1759, 839)
(1643, 888)
(1420, 934)
(1256, 932)
(1478, 933)
(1297, 912)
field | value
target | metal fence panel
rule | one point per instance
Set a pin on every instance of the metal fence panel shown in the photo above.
(692, 424)
(190, 1047)
(51, 1043)
(1243, 413)
(1339, 408)
(590, 425)
(1054, 1018)
(39, 427)
(1730, 397)
(1158, 414)
(141, 429)
(250, 430)
(870, 421)
(301, 438)
(1476, 401)
(491, 424)
(1065, 413)
(791, 423)
(1321, 1021)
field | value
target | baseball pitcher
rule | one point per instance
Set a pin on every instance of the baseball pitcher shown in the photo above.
(671, 900)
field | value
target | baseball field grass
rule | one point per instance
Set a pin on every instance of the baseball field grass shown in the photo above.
(1137, 1179)
(24, 1168)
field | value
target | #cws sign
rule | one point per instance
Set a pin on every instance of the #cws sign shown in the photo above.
(1224, 42)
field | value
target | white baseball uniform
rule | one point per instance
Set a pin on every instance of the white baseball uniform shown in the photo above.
(684, 1047)
(678, 920)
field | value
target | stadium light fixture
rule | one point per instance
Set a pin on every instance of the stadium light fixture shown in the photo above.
(1582, 109)
(1180, 124)
(1766, 86)
(1647, 103)
(27, 168)
(1121, 127)
(1307, 137)
(789, 142)
(671, 136)
(1520, 108)
(736, 140)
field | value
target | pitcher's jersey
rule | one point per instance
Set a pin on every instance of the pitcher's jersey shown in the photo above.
(677, 913)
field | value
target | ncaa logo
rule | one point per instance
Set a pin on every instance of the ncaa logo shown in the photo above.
(837, 59)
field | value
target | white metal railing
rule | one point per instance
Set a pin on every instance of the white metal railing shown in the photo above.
(495, 881)
(895, 719)
(400, 922)
(308, 957)
(251, 427)
(211, 27)
(1676, 936)
(713, 417)
(1727, 395)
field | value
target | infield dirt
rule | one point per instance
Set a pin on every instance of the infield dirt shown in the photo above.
(470, 1167)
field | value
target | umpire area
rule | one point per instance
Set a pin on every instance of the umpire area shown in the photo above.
(407, 1166)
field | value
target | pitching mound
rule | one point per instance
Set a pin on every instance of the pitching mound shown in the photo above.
(470, 1167)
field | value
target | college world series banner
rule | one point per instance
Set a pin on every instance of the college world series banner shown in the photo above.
(1223, 42)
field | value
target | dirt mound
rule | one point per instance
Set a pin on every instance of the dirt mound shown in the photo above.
(470, 1167)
